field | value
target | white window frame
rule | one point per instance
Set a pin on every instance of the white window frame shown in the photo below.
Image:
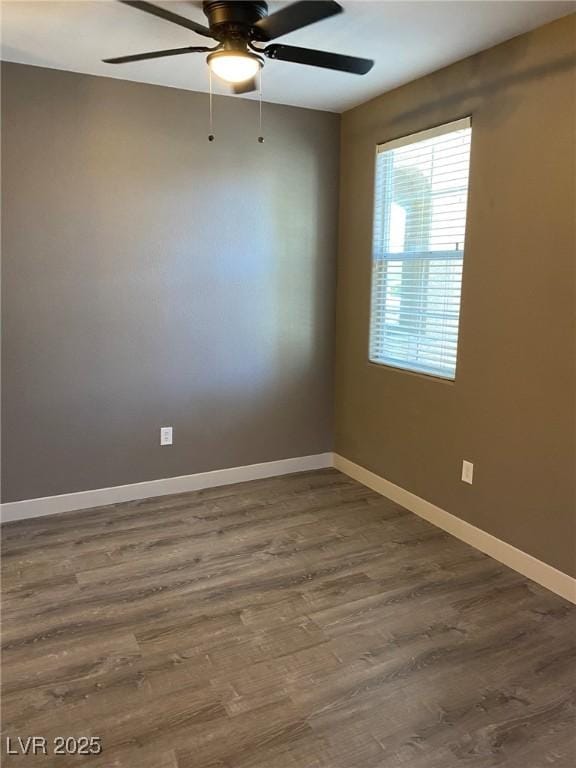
(446, 128)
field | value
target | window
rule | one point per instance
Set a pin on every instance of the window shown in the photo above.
(418, 248)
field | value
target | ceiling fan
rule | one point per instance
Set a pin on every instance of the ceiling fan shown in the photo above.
(238, 26)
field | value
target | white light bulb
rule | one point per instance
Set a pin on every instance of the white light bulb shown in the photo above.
(234, 67)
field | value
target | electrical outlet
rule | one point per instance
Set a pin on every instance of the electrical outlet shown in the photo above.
(467, 472)
(165, 435)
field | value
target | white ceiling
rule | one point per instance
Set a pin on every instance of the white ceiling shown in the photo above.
(407, 39)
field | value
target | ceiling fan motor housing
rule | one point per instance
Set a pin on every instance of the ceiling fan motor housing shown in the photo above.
(233, 18)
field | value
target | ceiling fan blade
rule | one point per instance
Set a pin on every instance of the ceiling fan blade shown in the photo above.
(162, 13)
(295, 16)
(323, 59)
(246, 87)
(156, 54)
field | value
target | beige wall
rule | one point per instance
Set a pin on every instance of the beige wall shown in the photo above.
(151, 278)
(511, 410)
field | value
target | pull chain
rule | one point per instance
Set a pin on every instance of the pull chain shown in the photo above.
(211, 127)
(260, 137)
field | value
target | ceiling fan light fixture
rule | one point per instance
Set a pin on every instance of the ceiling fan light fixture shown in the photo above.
(234, 66)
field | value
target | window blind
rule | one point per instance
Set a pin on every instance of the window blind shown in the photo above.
(418, 247)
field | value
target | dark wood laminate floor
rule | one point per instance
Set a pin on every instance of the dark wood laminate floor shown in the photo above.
(297, 622)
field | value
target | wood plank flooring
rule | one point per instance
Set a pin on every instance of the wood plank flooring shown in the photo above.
(297, 622)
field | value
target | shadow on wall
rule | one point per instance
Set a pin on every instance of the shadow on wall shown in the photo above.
(497, 90)
(305, 283)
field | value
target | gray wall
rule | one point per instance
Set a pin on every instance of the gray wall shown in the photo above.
(151, 278)
(511, 409)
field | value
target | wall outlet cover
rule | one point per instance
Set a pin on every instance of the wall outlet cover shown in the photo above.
(165, 435)
(467, 472)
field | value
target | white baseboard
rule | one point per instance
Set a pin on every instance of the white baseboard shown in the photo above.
(49, 505)
(514, 558)
(542, 573)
